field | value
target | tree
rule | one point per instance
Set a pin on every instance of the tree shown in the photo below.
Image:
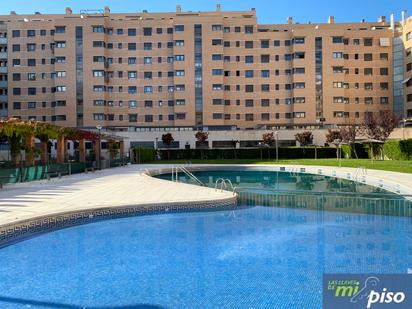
(348, 135)
(331, 137)
(202, 137)
(167, 140)
(379, 125)
(268, 138)
(45, 132)
(304, 138)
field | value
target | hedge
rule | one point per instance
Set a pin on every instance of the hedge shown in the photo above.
(398, 149)
(143, 154)
(248, 153)
(360, 149)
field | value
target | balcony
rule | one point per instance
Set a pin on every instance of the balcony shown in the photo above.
(3, 84)
(3, 55)
(3, 70)
(3, 98)
(3, 41)
(3, 113)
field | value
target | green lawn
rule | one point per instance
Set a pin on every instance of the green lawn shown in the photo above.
(387, 165)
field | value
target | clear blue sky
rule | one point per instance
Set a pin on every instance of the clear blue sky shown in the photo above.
(268, 11)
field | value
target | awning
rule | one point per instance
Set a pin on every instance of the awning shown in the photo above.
(407, 80)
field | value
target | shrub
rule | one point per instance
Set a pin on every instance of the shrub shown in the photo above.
(398, 149)
(143, 154)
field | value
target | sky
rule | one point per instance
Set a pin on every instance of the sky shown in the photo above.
(268, 11)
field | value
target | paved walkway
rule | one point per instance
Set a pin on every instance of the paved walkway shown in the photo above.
(123, 186)
(129, 186)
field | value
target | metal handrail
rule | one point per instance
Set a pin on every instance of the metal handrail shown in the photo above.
(362, 170)
(222, 182)
(175, 171)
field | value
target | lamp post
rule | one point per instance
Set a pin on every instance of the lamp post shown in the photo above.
(99, 127)
(403, 128)
(277, 145)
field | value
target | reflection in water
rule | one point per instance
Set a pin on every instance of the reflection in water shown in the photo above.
(255, 257)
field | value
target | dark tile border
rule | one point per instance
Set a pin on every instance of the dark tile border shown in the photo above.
(18, 231)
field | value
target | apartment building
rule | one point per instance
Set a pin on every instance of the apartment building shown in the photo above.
(212, 70)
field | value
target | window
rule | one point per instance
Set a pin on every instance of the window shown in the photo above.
(148, 104)
(217, 87)
(248, 88)
(60, 73)
(216, 57)
(147, 46)
(132, 75)
(16, 48)
(264, 44)
(384, 100)
(249, 73)
(16, 105)
(60, 88)
(132, 117)
(217, 72)
(226, 29)
(249, 103)
(180, 73)
(148, 89)
(337, 55)
(248, 44)
(217, 101)
(31, 62)
(248, 29)
(384, 71)
(60, 59)
(31, 33)
(132, 89)
(60, 44)
(299, 55)
(179, 57)
(298, 40)
(147, 60)
(287, 42)
(131, 46)
(368, 57)
(99, 102)
(249, 117)
(131, 60)
(98, 73)
(265, 88)
(265, 73)
(179, 43)
(337, 40)
(16, 76)
(368, 71)
(288, 57)
(383, 56)
(15, 33)
(131, 32)
(216, 27)
(30, 76)
(367, 41)
(368, 100)
(159, 30)
(264, 102)
(368, 86)
(337, 84)
(147, 31)
(264, 58)
(276, 43)
(179, 28)
(299, 85)
(216, 42)
(98, 29)
(248, 59)
(299, 115)
(132, 103)
(31, 47)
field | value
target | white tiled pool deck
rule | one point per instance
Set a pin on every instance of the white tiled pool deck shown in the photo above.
(130, 186)
(117, 187)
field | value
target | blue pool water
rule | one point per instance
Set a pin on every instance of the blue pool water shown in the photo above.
(255, 257)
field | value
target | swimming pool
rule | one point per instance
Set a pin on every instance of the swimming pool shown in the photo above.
(249, 257)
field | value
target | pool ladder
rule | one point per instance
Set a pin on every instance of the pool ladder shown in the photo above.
(224, 185)
(360, 171)
(175, 172)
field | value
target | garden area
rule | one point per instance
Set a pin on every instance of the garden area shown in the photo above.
(26, 151)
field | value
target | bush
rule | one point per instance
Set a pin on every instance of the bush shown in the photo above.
(398, 149)
(249, 153)
(361, 151)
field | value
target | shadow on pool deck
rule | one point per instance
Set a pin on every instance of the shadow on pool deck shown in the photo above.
(45, 304)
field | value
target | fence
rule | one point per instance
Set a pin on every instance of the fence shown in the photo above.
(31, 173)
